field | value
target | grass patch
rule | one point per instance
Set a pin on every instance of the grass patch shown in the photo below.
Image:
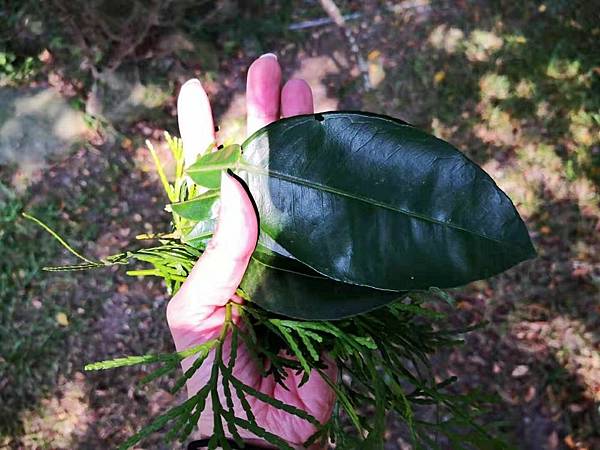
(35, 317)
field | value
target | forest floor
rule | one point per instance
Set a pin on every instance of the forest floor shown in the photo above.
(514, 87)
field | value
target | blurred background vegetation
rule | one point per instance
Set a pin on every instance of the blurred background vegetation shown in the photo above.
(515, 85)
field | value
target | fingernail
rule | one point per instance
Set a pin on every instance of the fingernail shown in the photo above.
(269, 55)
(192, 81)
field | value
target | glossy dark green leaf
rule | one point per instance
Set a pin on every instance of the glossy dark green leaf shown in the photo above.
(286, 286)
(372, 201)
(206, 171)
(197, 209)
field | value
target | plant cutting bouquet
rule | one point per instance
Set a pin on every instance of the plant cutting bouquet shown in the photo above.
(356, 221)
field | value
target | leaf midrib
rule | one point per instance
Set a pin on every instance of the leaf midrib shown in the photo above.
(314, 185)
(239, 165)
(211, 168)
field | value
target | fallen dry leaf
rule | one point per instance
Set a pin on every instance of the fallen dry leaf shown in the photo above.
(439, 77)
(62, 319)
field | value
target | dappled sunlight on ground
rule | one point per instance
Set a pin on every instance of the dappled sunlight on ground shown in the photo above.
(59, 421)
(315, 70)
(572, 344)
(516, 96)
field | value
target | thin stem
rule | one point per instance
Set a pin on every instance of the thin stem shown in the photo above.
(61, 240)
(161, 173)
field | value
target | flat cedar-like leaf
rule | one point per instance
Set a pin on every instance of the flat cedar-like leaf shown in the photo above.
(206, 171)
(198, 208)
(373, 201)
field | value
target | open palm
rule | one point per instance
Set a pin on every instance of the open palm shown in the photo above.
(196, 313)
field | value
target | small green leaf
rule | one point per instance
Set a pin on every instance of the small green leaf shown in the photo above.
(206, 171)
(197, 209)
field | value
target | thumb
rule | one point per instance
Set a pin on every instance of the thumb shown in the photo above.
(217, 274)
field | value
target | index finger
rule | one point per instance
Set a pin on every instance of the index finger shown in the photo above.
(195, 120)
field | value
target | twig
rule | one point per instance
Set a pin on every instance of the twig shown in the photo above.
(336, 16)
(321, 22)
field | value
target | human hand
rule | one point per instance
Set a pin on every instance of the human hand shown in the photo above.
(196, 313)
